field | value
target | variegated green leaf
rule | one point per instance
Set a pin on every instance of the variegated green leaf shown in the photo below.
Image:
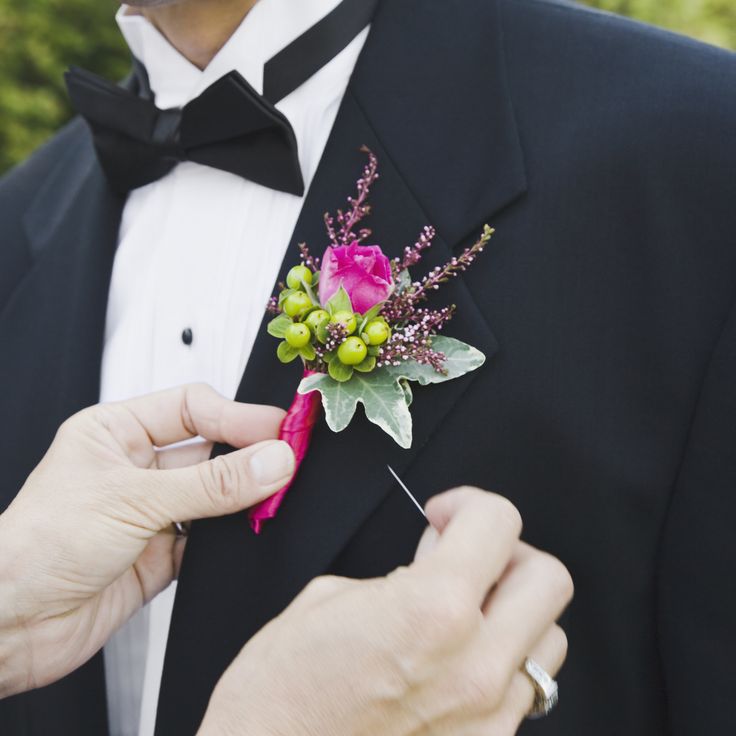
(382, 396)
(385, 392)
(406, 388)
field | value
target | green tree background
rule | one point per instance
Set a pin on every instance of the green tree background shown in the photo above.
(40, 38)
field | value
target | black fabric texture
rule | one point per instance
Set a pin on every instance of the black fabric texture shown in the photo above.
(603, 152)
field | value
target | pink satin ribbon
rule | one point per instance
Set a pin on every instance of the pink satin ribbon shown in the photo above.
(296, 429)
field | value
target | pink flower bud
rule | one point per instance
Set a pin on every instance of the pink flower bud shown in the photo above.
(362, 270)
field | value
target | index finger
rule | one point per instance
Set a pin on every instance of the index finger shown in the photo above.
(478, 531)
(198, 410)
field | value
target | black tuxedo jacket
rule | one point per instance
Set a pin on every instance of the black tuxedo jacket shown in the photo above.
(604, 153)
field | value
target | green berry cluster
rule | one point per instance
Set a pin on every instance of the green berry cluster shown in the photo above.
(330, 336)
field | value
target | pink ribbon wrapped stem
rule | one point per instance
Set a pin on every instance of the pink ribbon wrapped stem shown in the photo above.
(296, 429)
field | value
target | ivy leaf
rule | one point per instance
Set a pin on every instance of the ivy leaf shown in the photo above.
(385, 392)
(286, 353)
(339, 302)
(278, 325)
(461, 359)
(408, 394)
(381, 394)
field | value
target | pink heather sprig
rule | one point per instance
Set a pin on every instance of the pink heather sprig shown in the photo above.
(412, 326)
(359, 208)
(413, 254)
(411, 342)
(434, 320)
(402, 305)
(308, 259)
(441, 274)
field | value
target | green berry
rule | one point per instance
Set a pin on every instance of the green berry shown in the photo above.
(352, 351)
(316, 319)
(298, 274)
(347, 320)
(377, 332)
(298, 335)
(296, 303)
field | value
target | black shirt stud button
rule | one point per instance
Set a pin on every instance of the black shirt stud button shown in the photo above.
(187, 337)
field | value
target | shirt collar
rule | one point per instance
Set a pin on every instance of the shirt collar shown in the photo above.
(269, 27)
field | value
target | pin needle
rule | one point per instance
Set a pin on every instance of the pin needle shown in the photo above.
(407, 491)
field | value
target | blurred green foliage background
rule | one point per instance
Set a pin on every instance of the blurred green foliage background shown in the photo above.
(40, 38)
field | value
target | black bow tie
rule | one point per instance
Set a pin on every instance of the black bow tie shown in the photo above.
(229, 126)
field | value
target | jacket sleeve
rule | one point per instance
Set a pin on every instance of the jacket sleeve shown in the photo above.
(15, 257)
(697, 571)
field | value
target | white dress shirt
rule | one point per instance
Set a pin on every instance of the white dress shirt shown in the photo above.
(200, 250)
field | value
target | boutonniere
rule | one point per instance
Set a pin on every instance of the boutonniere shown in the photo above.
(361, 326)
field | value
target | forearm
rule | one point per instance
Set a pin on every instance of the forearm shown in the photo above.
(230, 713)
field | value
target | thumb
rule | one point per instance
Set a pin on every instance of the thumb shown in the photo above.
(224, 485)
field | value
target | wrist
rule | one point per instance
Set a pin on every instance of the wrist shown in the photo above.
(215, 725)
(14, 675)
(227, 715)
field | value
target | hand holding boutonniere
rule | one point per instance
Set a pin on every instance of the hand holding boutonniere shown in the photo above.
(361, 326)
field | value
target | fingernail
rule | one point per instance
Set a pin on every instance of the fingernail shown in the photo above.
(272, 462)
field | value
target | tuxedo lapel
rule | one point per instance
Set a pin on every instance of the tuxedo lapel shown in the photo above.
(447, 122)
(232, 582)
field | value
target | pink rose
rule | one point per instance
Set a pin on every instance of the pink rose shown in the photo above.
(363, 271)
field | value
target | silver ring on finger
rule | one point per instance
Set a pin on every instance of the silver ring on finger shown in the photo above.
(546, 693)
(181, 529)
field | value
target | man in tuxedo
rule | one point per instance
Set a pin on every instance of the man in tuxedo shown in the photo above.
(138, 248)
